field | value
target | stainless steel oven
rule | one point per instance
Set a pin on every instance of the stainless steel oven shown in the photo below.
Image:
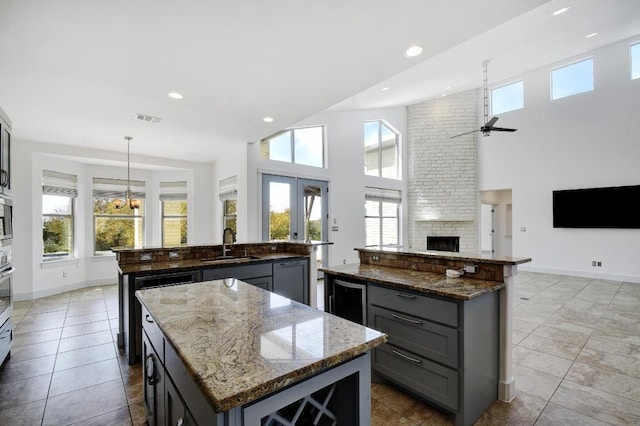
(6, 275)
(6, 221)
(349, 301)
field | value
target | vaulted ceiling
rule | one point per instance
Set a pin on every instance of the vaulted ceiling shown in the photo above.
(78, 72)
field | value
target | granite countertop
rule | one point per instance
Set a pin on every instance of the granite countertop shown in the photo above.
(450, 255)
(240, 342)
(425, 282)
(186, 264)
(305, 243)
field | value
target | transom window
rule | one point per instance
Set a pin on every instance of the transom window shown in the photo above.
(382, 217)
(635, 61)
(58, 195)
(115, 224)
(302, 145)
(572, 79)
(381, 150)
(507, 98)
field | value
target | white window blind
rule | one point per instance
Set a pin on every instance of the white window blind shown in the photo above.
(382, 194)
(228, 188)
(116, 188)
(56, 183)
(173, 190)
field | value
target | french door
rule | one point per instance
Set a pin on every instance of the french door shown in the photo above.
(295, 209)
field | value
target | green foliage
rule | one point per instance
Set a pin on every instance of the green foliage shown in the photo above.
(116, 231)
(56, 235)
(279, 225)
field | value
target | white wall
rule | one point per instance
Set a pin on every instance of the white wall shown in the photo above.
(34, 278)
(344, 172)
(232, 162)
(587, 140)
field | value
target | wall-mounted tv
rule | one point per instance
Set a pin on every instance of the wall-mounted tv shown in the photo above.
(610, 207)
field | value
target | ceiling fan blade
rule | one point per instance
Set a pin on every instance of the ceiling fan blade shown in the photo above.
(465, 133)
(491, 122)
(502, 129)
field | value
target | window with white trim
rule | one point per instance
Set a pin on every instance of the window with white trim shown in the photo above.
(507, 98)
(300, 145)
(381, 150)
(382, 217)
(173, 203)
(59, 191)
(635, 60)
(115, 223)
(572, 79)
(228, 193)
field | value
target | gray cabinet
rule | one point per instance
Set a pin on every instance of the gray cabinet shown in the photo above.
(443, 350)
(291, 279)
(176, 410)
(153, 383)
(241, 272)
(5, 154)
(6, 340)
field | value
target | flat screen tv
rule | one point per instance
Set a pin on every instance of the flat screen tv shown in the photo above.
(611, 207)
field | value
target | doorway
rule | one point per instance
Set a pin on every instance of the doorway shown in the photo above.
(295, 209)
(487, 228)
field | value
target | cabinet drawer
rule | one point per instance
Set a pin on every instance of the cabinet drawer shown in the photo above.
(425, 307)
(239, 272)
(6, 339)
(424, 377)
(433, 341)
(153, 332)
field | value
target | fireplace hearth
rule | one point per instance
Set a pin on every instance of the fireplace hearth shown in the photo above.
(443, 243)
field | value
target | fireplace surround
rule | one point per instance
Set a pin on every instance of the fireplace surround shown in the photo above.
(446, 243)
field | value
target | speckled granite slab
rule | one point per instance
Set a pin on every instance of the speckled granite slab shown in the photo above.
(426, 282)
(240, 343)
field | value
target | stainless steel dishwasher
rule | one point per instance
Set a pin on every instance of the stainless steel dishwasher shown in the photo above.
(349, 301)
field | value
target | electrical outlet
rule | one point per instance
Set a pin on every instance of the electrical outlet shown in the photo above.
(344, 261)
(470, 269)
(173, 255)
(593, 263)
(375, 258)
(64, 274)
(334, 228)
(599, 263)
(145, 256)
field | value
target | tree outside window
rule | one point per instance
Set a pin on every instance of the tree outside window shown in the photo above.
(174, 222)
(117, 227)
(57, 226)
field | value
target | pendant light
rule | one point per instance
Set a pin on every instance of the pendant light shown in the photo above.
(133, 204)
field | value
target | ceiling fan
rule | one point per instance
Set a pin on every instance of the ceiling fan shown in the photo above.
(488, 126)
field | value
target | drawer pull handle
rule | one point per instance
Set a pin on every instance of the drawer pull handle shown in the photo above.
(417, 361)
(405, 295)
(147, 318)
(180, 422)
(412, 321)
(6, 334)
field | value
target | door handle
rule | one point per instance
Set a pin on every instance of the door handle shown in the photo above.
(146, 318)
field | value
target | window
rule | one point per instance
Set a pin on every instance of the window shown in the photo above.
(507, 98)
(303, 145)
(173, 200)
(229, 217)
(635, 61)
(572, 79)
(382, 217)
(116, 226)
(380, 150)
(228, 193)
(58, 194)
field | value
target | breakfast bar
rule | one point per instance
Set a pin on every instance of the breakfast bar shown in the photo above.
(225, 352)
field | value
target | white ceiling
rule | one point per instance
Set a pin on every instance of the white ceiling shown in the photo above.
(76, 72)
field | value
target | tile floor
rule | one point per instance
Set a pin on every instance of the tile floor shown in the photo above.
(576, 354)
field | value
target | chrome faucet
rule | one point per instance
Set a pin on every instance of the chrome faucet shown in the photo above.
(225, 241)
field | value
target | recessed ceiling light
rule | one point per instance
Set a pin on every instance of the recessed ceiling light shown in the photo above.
(268, 119)
(591, 35)
(444, 94)
(560, 11)
(413, 51)
(447, 88)
(384, 89)
(175, 95)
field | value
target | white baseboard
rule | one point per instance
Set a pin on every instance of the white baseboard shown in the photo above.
(61, 289)
(581, 274)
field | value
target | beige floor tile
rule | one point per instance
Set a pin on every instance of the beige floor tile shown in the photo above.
(605, 380)
(554, 415)
(563, 334)
(24, 414)
(629, 365)
(597, 404)
(560, 348)
(523, 410)
(381, 415)
(541, 361)
(535, 382)
(612, 346)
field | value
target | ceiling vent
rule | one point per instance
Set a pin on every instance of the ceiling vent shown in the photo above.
(148, 118)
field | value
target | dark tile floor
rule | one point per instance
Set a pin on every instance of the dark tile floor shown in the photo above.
(576, 361)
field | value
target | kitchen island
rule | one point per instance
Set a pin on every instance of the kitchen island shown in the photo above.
(449, 337)
(225, 352)
(284, 267)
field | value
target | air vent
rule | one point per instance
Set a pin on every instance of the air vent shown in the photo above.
(148, 118)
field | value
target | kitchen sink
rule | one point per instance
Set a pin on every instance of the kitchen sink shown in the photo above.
(229, 259)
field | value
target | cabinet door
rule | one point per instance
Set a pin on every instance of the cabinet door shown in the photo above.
(176, 412)
(265, 283)
(5, 159)
(153, 383)
(290, 279)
